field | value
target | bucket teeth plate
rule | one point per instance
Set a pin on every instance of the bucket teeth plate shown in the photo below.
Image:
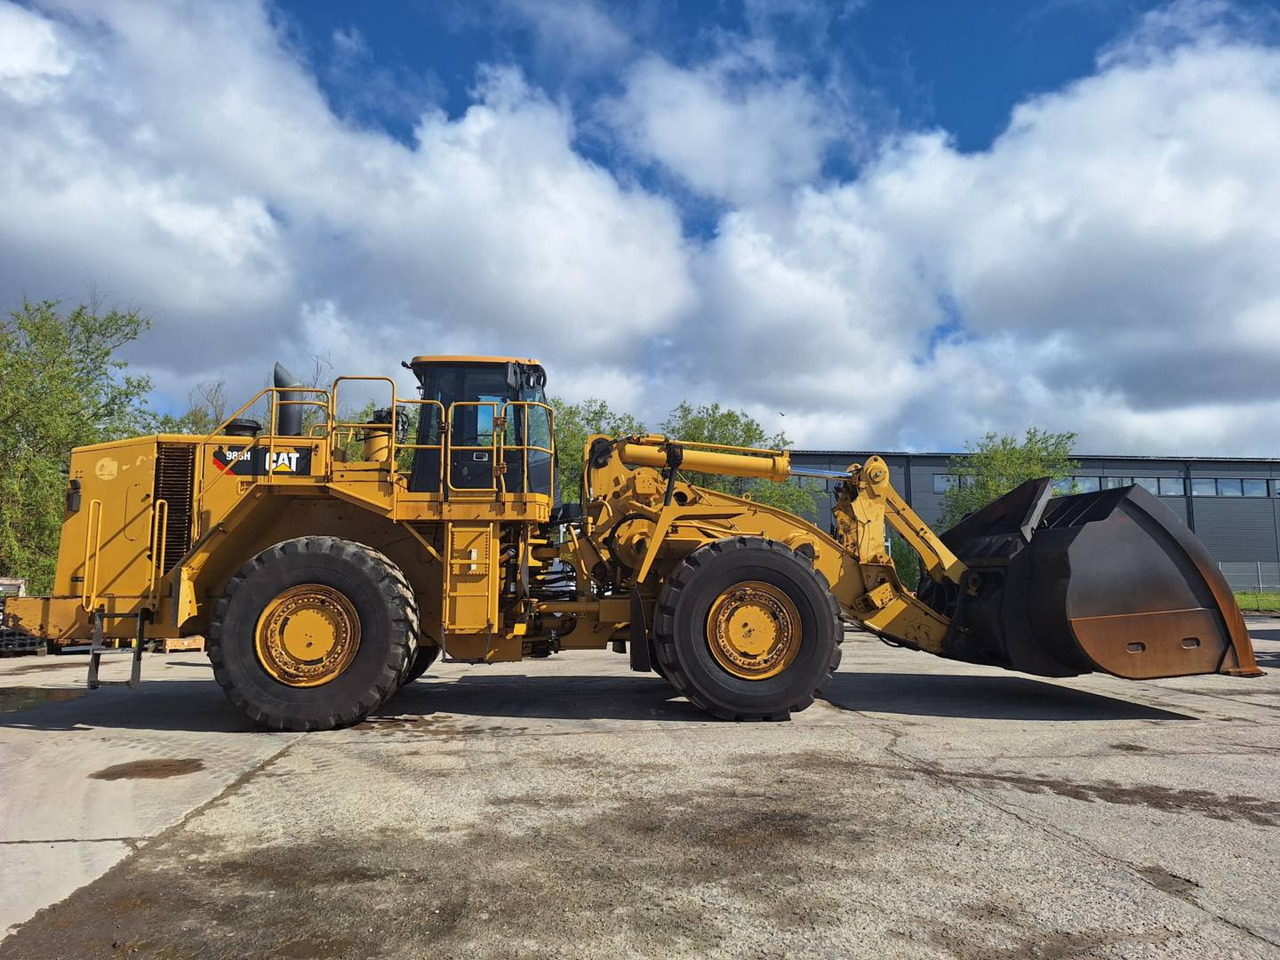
(1110, 581)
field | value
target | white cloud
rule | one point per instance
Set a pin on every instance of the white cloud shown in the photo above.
(1106, 266)
(732, 129)
(196, 170)
(580, 33)
(1110, 262)
(32, 57)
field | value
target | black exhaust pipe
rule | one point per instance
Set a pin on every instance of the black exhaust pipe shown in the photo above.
(288, 415)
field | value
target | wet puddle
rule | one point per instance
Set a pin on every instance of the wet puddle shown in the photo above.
(148, 769)
(44, 664)
(13, 699)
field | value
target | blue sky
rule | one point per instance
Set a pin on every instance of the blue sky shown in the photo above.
(958, 65)
(871, 224)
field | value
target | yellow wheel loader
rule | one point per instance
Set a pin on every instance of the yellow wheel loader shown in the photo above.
(329, 562)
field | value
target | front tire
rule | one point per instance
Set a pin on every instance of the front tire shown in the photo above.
(747, 630)
(313, 633)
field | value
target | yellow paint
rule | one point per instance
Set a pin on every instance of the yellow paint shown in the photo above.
(465, 553)
(308, 635)
(754, 630)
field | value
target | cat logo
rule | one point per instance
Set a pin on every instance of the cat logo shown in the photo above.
(283, 461)
(257, 461)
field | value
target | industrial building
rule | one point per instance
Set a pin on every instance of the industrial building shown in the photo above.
(1232, 504)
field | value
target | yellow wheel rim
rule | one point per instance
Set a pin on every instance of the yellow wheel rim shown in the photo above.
(754, 630)
(307, 635)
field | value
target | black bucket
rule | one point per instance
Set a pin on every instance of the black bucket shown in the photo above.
(1110, 581)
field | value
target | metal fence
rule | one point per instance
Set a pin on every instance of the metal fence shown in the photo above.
(1252, 577)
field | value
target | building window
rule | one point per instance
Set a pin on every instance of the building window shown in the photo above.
(1204, 487)
(1068, 486)
(1156, 486)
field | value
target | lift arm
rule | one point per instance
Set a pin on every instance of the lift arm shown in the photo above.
(1109, 581)
(863, 578)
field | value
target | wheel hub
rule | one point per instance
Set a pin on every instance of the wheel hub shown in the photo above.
(308, 635)
(753, 630)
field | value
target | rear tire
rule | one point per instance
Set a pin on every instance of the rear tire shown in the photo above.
(682, 638)
(360, 580)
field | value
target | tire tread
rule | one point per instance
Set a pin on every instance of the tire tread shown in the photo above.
(395, 591)
(676, 586)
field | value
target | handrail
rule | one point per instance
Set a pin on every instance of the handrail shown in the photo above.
(492, 448)
(525, 446)
(159, 542)
(438, 446)
(334, 430)
(274, 410)
(256, 442)
(217, 431)
(92, 536)
(337, 426)
(395, 445)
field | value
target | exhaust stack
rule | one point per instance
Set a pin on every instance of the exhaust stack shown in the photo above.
(288, 415)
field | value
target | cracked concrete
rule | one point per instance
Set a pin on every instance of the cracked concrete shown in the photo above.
(566, 808)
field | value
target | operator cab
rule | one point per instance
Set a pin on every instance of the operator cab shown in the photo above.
(474, 392)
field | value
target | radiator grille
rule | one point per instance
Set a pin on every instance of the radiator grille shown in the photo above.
(175, 483)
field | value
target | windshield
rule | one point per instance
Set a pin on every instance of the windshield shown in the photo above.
(474, 395)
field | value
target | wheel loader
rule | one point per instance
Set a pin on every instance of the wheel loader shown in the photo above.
(329, 562)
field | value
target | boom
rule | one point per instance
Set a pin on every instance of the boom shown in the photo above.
(641, 518)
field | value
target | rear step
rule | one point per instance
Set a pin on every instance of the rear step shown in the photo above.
(1111, 581)
(98, 649)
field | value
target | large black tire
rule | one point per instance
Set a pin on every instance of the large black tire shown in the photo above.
(680, 630)
(388, 615)
(422, 660)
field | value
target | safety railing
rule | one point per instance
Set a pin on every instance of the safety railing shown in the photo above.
(92, 555)
(344, 431)
(434, 409)
(480, 452)
(441, 435)
(268, 442)
(351, 431)
(525, 447)
(159, 540)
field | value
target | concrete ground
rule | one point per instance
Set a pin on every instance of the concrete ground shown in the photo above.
(569, 808)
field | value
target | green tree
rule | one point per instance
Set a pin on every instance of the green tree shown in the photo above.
(62, 385)
(574, 422)
(997, 463)
(207, 409)
(905, 560)
(712, 423)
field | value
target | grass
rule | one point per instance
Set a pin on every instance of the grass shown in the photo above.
(1254, 601)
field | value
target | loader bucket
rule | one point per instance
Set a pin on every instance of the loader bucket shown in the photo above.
(1110, 581)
